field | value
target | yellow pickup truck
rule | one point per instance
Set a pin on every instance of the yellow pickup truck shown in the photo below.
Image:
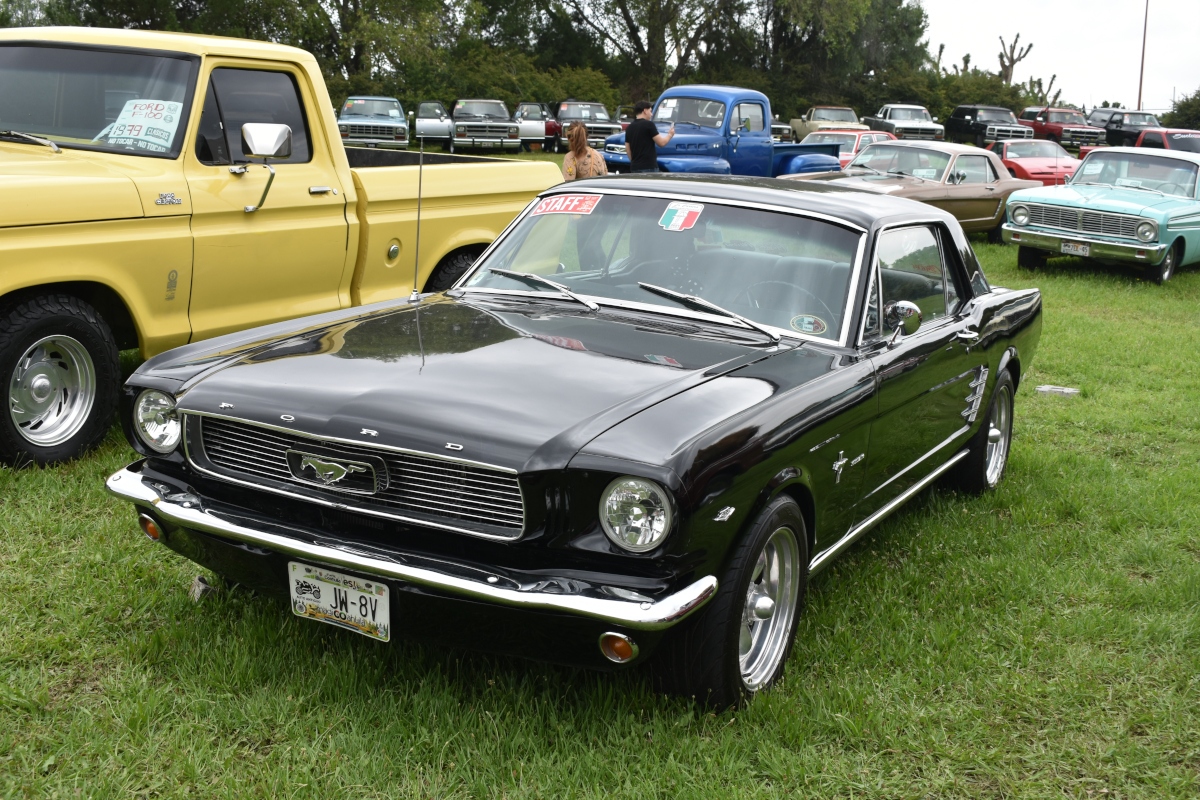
(157, 189)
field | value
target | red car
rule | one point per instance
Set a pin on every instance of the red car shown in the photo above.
(1170, 139)
(1036, 160)
(851, 142)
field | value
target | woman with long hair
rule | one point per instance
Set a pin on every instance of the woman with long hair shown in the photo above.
(582, 161)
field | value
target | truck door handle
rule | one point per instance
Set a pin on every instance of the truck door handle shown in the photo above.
(322, 190)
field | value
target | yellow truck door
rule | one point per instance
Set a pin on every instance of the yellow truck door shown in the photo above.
(287, 258)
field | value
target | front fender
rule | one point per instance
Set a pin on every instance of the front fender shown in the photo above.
(808, 162)
(695, 165)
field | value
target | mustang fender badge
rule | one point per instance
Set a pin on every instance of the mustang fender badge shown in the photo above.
(724, 514)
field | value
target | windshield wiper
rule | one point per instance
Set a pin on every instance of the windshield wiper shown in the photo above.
(704, 305)
(863, 166)
(906, 174)
(538, 279)
(1144, 189)
(32, 138)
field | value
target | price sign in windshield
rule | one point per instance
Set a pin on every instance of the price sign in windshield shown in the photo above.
(145, 125)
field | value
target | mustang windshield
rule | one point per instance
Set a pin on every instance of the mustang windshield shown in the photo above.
(1039, 148)
(372, 108)
(780, 270)
(97, 100)
(1171, 176)
(705, 113)
(915, 161)
(833, 115)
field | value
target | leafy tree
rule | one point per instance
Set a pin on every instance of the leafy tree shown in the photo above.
(1184, 113)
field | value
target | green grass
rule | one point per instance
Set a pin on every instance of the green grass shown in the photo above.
(1043, 641)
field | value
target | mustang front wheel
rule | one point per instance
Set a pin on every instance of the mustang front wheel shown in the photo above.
(738, 645)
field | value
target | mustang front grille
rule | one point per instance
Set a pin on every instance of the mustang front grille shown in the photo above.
(469, 497)
(1071, 219)
(375, 131)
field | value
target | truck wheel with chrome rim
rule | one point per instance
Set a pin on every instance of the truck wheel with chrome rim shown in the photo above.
(59, 364)
(738, 645)
(1165, 270)
(987, 458)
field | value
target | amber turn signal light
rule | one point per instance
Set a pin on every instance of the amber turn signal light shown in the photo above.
(618, 648)
(149, 526)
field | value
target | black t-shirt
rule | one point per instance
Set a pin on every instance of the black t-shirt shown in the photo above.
(640, 137)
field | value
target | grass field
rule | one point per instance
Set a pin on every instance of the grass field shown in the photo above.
(1043, 641)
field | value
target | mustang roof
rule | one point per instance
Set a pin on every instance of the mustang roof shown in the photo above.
(1182, 155)
(856, 206)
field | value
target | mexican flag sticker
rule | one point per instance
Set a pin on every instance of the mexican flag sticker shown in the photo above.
(680, 216)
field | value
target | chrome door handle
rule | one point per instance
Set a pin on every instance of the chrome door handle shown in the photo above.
(322, 190)
(966, 337)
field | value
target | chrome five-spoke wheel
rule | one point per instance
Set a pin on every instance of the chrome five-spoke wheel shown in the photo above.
(770, 607)
(999, 434)
(51, 390)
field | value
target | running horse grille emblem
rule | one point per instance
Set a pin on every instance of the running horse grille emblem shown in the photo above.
(330, 472)
(362, 474)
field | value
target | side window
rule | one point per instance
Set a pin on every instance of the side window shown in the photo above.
(430, 110)
(975, 168)
(910, 268)
(749, 111)
(210, 138)
(251, 95)
(1152, 140)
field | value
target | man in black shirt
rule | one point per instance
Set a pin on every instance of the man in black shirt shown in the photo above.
(641, 137)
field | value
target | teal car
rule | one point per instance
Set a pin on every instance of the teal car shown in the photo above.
(1124, 205)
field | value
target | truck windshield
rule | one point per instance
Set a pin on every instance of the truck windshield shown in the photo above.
(131, 103)
(490, 109)
(1172, 176)
(910, 114)
(1140, 120)
(705, 113)
(786, 271)
(1067, 118)
(372, 107)
(583, 111)
(915, 161)
(994, 115)
(834, 115)
(845, 141)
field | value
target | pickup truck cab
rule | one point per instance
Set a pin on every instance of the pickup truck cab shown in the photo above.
(595, 116)
(1066, 126)
(1181, 139)
(906, 122)
(158, 189)
(373, 122)
(486, 125)
(722, 130)
(1122, 127)
(820, 118)
(979, 125)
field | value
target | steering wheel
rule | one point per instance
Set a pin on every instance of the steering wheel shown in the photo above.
(801, 289)
(1162, 187)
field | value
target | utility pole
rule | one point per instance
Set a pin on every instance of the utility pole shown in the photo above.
(1142, 75)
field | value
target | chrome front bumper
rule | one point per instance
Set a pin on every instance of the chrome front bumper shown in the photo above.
(128, 484)
(1101, 249)
(387, 144)
(489, 144)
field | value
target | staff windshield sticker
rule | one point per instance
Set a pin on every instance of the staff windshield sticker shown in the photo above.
(680, 216)
(145, 125)
(566, 204)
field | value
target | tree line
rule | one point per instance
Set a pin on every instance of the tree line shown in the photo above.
(861, 53)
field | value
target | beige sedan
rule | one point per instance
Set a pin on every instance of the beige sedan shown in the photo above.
(969, 182)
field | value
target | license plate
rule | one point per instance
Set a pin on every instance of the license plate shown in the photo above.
(1075, 249)
(487, 144)
(338, 599)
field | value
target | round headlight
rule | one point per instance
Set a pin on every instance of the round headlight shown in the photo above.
(635, 513)
(1147, 231)
(1020, 215)
(156, 422)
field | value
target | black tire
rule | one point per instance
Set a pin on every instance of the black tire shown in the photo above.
(450, 269)
(980, 141)
(996, 235)
(52, 323)
(701, 658)
(987, 459)
(1165, 270)
(1030, 258)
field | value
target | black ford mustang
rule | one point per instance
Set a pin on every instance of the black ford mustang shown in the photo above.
(646, 415)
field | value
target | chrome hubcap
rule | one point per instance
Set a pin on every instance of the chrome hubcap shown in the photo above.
(770, 607)
(51, 391)
(999, 435)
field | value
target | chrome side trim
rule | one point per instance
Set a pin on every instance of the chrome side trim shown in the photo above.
(936, 448)
(128, 485)
(870, 522)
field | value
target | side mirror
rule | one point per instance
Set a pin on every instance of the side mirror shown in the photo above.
(902, 317)
(264, 140)
(935, 119)
(776, 116)
(958, 177)
(1040, 119)
(968, 119)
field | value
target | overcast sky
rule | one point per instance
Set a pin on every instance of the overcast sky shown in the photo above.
(1094, 47)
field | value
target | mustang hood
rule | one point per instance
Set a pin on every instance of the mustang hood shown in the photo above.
(41, 187)
(518, 385)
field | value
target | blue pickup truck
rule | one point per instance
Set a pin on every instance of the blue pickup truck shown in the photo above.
(723, 130)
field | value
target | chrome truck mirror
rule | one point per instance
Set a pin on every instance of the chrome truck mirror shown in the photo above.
(264, 140)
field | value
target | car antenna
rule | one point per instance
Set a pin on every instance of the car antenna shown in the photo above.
(415, 297)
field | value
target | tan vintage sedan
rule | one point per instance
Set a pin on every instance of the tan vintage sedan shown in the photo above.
(969, 182)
